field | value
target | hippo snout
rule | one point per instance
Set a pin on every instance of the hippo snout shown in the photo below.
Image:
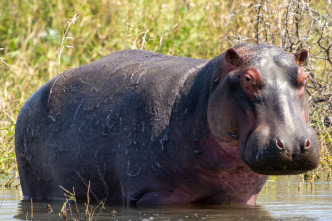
(281, 152)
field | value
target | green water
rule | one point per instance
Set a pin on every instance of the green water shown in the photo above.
(283, 198)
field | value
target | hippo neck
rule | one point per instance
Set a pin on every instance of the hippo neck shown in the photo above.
(213, 151)
(195, 94)
(229, 151)
(192, 105)
(200, 87)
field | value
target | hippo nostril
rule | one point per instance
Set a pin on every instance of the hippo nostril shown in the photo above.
(279, 144)
(307, 144)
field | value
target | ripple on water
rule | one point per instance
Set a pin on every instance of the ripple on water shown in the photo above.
(283, 198)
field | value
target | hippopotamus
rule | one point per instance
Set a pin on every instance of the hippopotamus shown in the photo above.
(144, 128)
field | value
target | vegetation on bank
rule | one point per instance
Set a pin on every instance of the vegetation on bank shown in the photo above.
(40, 39)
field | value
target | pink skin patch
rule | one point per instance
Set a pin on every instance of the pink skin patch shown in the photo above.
(251, 82)
(252, 200)
(301, 81)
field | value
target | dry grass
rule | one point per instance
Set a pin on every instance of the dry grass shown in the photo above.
(69, 209)
(90, 212)
(39, 39)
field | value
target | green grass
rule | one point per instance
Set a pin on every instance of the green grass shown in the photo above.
(32, 36)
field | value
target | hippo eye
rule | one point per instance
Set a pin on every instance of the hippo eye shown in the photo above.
(247, 78)
(216, 80)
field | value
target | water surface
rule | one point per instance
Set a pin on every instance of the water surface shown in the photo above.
(283, 198)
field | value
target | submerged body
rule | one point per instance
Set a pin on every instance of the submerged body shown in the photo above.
(154, 129)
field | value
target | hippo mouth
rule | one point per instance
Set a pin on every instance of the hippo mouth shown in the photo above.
(273, 156)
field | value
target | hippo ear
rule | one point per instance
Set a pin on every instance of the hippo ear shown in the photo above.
(233, 57)
(301, 56)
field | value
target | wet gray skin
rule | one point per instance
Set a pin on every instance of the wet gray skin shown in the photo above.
(267, 90)
(146, 128)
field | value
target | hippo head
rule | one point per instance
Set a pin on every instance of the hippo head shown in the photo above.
(258, 109)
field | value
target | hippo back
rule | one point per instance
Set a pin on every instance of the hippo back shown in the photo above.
(106, 113)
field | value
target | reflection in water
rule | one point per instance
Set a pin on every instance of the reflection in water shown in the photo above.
(9, 200)
(283, 198)
(289, 196)
(172, 212)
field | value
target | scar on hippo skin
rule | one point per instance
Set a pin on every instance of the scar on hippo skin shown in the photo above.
(216, 80)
